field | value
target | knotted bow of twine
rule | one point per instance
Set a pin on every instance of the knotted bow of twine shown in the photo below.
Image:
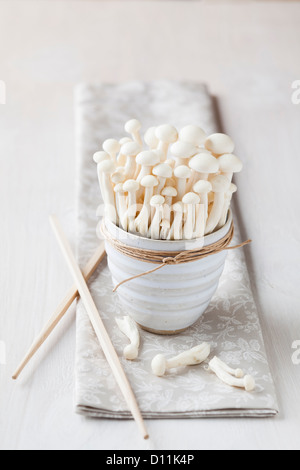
(169, 258)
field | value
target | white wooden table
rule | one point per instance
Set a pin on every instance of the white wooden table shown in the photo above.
(249, 56)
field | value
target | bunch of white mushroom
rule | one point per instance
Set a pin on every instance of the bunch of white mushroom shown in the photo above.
(179, 187)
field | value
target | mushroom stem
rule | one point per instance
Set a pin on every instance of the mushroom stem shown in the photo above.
(200, 221)
(176, 228)
(194, 356)
(227, 201)
(238, 373)
(105, 169)
(190, 200)
(129, 328)
(220, 185)
(247, 382)
(121, 206)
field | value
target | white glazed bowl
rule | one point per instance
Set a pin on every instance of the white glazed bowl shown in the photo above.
(174, 297)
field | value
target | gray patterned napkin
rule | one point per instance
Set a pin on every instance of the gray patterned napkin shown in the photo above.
(231, 324)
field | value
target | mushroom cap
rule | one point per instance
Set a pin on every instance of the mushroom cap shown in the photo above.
(178, 207)
(118, 188)
(202, 187)
(183, 149)
(148, 158)
(204, 163)
(158, 365)
(228, 162)
(249, 383)
(163, 170)
(193, 135)
(219, 144)
(166, 133)
(169, 191)
(157, 200)
(118, 177)
(233, 188)
(182, 171)
(124, 140)
(111, 145)
(101, 156)
(191, 198)
(220, 184)
(106, 166)
(133, 125)
(149, 181)
(131, 352)
(150, 138)
(130, 149)
(131, 185)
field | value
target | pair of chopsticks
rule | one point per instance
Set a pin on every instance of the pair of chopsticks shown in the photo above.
(82, 289)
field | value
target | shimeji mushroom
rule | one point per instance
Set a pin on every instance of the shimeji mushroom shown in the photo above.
(225, 374)
(121, 206)
(202, 188)
(192, 357)
(118, 177)
(190, 200)
(147, 159)
(193, 135)
(227, 200)
(169, 192)
(229, 164)
(220, 185)
(101, 156)
(182, 151)
(133, 127)
(177, 226)
(142, 220)
(238, 373)
(130, 150)
(202, 165)
(105, 170)
(219, 144)
(150, 138)
(157, 203)
(162, 171)
(112, 146)
(182, 173)
(167, 135)
(128, 326)
(131, 187)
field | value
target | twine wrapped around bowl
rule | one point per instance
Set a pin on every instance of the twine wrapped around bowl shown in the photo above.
(166, 293)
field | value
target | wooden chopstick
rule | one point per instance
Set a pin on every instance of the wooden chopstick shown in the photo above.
(61, 310)
(103, 337)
